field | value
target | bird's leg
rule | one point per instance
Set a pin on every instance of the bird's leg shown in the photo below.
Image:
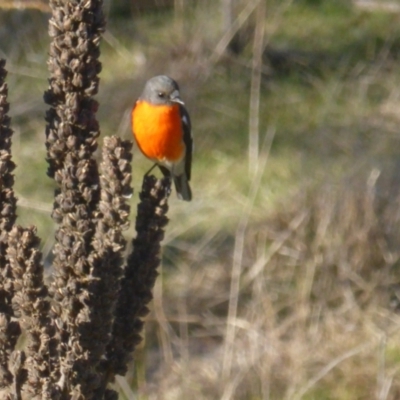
(165, 171)
(151, 169)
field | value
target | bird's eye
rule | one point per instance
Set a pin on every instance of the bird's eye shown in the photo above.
(161, 95)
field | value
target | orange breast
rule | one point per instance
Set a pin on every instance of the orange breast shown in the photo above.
(158, 131)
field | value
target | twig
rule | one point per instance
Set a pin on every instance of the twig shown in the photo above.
(254, 108)
(228, 36)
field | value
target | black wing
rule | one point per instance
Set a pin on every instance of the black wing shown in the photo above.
(187, 139)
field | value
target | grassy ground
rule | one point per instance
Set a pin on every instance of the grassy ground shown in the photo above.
(279, 285)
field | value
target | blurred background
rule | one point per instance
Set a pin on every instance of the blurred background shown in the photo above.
(280, 280)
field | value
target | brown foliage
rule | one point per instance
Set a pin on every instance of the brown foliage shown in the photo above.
(78, 332)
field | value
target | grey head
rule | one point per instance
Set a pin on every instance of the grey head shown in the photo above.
(161, 90)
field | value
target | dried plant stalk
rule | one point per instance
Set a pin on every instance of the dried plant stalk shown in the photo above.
(140, 274)
(31, 307)
(108, 244)
(9, 330)
(72, 130)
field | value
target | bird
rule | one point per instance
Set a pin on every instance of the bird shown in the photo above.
(161, 127)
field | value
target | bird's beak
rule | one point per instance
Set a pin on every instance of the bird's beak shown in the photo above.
(175, 97)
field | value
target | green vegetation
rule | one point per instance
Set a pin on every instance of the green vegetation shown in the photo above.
(317, 314)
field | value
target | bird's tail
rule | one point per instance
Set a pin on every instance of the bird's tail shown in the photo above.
(182, 187)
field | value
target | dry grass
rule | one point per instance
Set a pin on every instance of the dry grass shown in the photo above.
(316, 302)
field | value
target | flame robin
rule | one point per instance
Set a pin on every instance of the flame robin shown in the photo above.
(161, 127)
